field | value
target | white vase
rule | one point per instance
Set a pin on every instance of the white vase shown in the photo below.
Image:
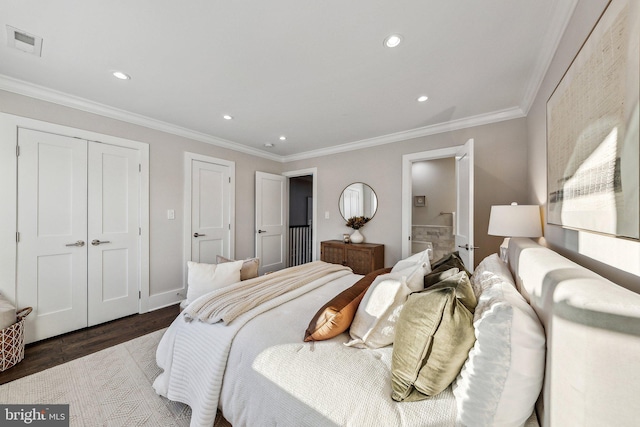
(357, 237)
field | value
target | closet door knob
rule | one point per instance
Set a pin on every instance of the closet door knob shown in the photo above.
(97, 242)
(79, 243)
(197, 235)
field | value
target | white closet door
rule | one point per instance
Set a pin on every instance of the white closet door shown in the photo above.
(52, 222)
(210, 212)
(271, 221)
(113, 232)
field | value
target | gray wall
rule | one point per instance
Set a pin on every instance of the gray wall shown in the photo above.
(435, 179)
(500, 178)
(596, 252)
(500, 165)
(166, 153)
(510, 165)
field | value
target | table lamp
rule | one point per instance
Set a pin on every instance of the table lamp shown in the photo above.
(514, 220)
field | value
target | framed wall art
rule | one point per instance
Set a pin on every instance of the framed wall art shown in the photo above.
(593, 158)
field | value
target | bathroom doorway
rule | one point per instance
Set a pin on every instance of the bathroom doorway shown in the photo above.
(460, 218)
(433, 190)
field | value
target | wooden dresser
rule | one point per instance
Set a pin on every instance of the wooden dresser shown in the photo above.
(363, 258)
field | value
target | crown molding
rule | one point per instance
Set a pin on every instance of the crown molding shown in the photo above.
(39, 92)
(481, 119)
(20, 87)
(561, 15)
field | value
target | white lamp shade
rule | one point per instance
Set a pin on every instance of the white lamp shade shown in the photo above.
(515, 221)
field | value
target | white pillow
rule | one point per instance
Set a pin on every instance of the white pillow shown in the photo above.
(419, 258)
(374, 323)
(413, 276)
(204, 278)
(502, 378)
(491, 270)
(414, 269)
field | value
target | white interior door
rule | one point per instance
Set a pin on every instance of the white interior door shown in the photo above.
(464, 216)
(210, 212)
(113, 232)
(271, 221)
(52, 222)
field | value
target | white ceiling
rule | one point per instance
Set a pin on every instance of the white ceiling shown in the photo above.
(315, 71)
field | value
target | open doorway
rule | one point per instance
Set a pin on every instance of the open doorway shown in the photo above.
(300, 219)
(433, 211)
(461, 217)
(302, 199)
(273, 234)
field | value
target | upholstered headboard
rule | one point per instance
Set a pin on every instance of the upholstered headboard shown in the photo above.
(592, 374)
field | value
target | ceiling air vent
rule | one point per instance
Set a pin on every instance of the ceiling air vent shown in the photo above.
(24, 41)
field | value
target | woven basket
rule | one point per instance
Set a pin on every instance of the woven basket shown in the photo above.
(12, 341)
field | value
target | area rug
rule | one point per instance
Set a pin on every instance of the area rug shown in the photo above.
(109, 388)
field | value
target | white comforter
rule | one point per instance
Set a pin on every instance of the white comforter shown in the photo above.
(271, 377)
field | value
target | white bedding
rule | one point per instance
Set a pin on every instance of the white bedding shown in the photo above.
(273, 378)
(269, 376)
(193, 356)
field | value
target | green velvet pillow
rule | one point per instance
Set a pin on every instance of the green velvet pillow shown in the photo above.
(462, 285)
(439, 274)
(451, 260)
(434, 334)
(441, 266)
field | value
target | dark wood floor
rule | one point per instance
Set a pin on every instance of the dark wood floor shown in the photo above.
(48, 353)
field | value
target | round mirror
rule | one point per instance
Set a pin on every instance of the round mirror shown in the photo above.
(358, 199)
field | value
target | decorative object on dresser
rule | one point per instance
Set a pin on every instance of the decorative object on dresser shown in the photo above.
(357, 222)
(363, 258)
(514, 220)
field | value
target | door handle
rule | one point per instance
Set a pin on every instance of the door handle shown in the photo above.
(198, 235)
(469, 248)
(262, 231)
(97, 242)
(79, 243)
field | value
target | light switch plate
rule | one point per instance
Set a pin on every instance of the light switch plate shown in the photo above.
(171, 214)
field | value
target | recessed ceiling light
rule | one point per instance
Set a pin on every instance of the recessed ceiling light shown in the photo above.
(393, 40)
(422, 98)
(283, 138)
(227, 117)
(120, 75)
(268, 145)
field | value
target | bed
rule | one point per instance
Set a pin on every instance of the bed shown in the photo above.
(255, 367)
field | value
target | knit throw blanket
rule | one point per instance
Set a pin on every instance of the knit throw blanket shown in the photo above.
(226, 304)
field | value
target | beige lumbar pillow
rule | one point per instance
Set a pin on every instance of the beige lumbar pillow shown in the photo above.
(434, 334)
(249, 268)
